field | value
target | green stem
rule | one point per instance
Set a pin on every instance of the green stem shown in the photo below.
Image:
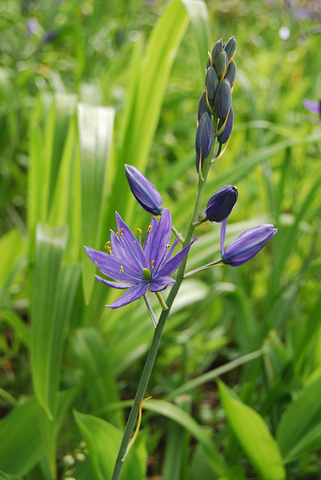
(204, 267)
(149, 364)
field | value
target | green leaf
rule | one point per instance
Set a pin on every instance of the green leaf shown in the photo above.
(5, 476)
(175, 413)
(297, 428)
(93, 357)
(253, 435)
(12, 248)
(95, 127)
(103, 440)
(19, 432)
(198, 14)
(53, 294)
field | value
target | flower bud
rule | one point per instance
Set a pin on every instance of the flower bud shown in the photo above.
(248, 244)
(221, 204)
(231, 73)
(144, 191)
(204, 139)
(202, 106)
(230, 48)
(225, 135)
(216, 49)
(223, 99)
(211, 84)
(221, 64)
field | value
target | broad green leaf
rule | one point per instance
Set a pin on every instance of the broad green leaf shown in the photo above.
(198, 14)
(93, 357)
(20, 432)
(103, 440)
(5, 476)
(253, 435)
(53, 295)
(12, 248)
(50, 245)
(95, 128)
(175, 413)
(17, 325)
(297, 426)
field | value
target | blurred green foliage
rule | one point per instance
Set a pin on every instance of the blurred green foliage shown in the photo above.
(84, 88)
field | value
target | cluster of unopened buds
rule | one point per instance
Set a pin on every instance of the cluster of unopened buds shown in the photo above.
(140, 268)
(216, 101)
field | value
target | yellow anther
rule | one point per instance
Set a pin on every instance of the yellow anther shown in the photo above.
(117, 234)
(107, 245)
(121, 270)
(109, 250)
(152, 264)
(168, 245)
(96, 263)
(121, 231)
(149, 228)
(139, 231)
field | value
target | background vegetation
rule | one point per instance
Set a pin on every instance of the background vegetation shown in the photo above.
(86, 87)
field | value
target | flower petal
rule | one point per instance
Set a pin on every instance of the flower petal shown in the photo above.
(172, 265)
(134, 293)
(161, 238)
(131, 245)
(149, 240)
(161, 283)
(313, 107)
(120, 286)
(113, 267)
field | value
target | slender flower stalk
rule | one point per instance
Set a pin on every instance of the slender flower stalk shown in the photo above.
(140, 394)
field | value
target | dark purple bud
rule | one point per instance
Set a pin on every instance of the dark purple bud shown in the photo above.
(221, 64)
(202, 107)
(225, 135)
(231, 73)
(216, 49)
(230, 48)
(144, 191)
(204, 139)
(248, 244)
(313, 107)
(221, 204)
(50, 36)
(208, 63)
(223, 99)
(211, 83)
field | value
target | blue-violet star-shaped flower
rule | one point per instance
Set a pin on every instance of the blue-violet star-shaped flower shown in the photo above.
(136, 268)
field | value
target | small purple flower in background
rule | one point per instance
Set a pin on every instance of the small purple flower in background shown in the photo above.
(144, 191)
(313, 107)
(136, 268)
(248, 244)
(32, 26)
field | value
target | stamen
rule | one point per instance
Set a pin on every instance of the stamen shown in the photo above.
(168, 245)
(96, 263)
(152, 264)
(107, 244)
(117, 234)
(149, 228)
(121, 270)
(121, 231)
(139, 230)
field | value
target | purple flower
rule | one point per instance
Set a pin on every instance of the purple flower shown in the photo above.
(144, 191)
(313, 107)
(248, 244)
(136, 268)
(221, 203)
